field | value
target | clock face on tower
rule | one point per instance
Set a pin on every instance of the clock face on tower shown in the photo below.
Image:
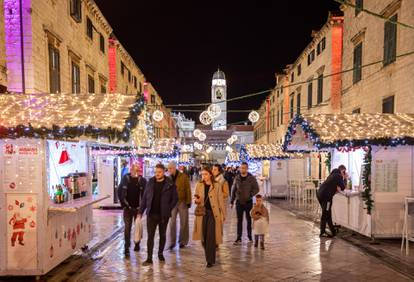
(219, 94)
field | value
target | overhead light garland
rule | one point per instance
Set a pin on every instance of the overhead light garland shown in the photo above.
(366, 181)
(205, 118)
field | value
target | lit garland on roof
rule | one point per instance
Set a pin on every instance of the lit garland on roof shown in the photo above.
(69, 116)
(353, 130)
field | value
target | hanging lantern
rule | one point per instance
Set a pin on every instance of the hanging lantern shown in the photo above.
(205, 118)
(254, 116)
(196, 132)
(214, 111)
(158, 115)
(202, 137)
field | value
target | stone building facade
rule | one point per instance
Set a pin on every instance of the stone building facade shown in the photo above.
(3, 70)
(65, 47)
(305, 86)
(388, 85)
(124, 75)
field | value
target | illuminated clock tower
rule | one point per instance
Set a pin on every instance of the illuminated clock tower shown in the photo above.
(218, 96)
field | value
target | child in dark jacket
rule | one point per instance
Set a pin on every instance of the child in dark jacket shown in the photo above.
(260, 216)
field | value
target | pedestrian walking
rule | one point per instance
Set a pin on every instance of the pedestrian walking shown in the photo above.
(209, 215)
(244, 188)
(333, 184)
(160, 197)
(223, 184)
(229, 176)
(130, 192)
(260, 216)
(182, 183)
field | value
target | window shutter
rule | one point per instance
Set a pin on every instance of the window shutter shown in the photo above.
(310, 94)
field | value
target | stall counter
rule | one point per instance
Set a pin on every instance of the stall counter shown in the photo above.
(348, 211)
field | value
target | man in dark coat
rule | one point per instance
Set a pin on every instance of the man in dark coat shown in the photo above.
(333, 184)
(159, 198)
(244, 188)
(130, 192)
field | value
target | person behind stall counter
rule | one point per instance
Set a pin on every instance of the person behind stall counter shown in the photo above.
(333, 184)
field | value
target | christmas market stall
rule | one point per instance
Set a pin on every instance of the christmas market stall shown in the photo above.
(270, 165)
(46, 172)
(378, 151)
(163, 150)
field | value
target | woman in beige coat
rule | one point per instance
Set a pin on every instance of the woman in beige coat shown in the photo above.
(208, 227)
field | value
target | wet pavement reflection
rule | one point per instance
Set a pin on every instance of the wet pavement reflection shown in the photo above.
(293, 252)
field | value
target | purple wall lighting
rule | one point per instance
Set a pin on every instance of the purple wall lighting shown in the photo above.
(18, 37)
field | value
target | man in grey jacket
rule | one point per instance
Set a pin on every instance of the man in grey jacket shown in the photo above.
(244, 188)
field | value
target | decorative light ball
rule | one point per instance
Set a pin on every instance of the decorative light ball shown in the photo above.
(202, 136)
(158, 115)
(229, 149)
(199, 146)
(234, 138)
(214, 111)
(209, 150)
(254, 116)
(196, 144)
(205, 118)
(196, 132)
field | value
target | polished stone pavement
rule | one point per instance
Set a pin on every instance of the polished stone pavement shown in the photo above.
(293, 252)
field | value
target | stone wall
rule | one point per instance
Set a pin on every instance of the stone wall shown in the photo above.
(379, 81)
(3, 76)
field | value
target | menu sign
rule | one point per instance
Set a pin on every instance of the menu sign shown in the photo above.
(386, 175)
(22, 167)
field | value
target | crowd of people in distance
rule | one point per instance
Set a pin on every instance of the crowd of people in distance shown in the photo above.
(168, 194)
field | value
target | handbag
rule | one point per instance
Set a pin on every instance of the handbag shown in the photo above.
(138, 230)
(200, 210)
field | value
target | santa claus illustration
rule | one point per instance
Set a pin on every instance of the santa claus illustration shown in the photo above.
(18, 224)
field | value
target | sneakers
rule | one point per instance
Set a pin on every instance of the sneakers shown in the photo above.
(147, 262)
(172, 247)
(182, 246)
(126, 252)
(326, 235)
(237, 242)
(209, 265)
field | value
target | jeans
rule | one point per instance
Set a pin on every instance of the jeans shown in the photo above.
(326, 217)
(241, 209)
(129, 217)
(182, 210)
(152, 222)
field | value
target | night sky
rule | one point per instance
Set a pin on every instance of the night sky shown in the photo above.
(179, 44)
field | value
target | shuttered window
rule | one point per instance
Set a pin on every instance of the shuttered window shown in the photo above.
(102, 43)
(388, 105)
(310, 95)
(75, 78)
(54, 69)
(390, 40)
(359, 4)
(298, 104)
(76, 10)
(357, 72)
(91, 84)
(320, 89)
(292, 106)
(89, 28)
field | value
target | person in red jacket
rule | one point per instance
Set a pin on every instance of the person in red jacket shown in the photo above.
(18, 224)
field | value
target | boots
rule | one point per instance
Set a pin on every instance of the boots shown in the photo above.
(262, 244)
(256, 243)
